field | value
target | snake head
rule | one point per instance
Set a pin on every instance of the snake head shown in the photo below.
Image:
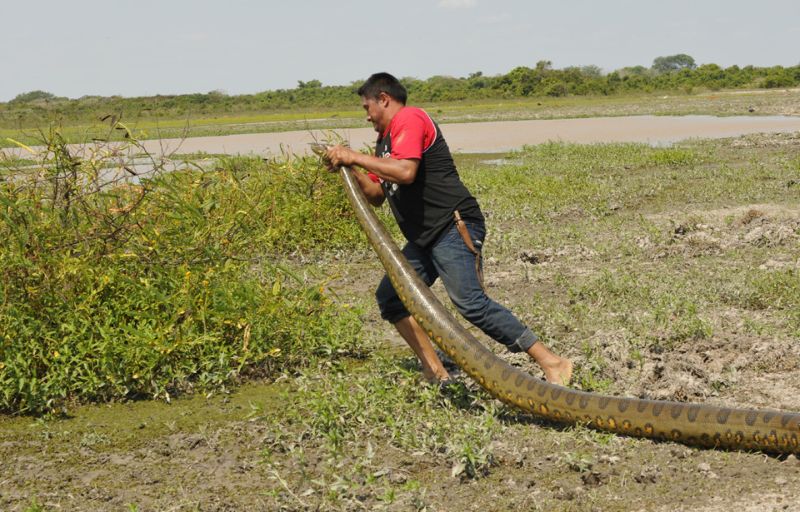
(318, 149)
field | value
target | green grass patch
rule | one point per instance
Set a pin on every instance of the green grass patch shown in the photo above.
(398, 410)
(771, 290)
(643, 249)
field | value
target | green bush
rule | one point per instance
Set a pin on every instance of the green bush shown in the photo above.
(113, 289)
(678, 74)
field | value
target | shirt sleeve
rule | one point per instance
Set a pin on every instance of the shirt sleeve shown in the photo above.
(408, 134)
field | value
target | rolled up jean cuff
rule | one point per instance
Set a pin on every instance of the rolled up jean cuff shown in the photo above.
(524, 342)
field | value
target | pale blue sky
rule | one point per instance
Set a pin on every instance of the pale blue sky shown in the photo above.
(144, 47)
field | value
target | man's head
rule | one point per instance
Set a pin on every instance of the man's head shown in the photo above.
(382, 95)
(386, 83)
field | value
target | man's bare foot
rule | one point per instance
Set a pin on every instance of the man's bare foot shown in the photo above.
(560, 373)
(435, 377)
(557, 369)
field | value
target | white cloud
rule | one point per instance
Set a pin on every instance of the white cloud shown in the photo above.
(457, 4)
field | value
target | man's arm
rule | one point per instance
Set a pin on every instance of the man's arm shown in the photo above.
(372, 190)
(402, 172)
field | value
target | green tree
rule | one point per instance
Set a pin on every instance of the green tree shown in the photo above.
(26, 97)
(673, 63)
(778, 76)
(311, 84)
(592, 71)
(522, 81)
(632, 71)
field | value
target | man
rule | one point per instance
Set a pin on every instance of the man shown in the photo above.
(414, 170)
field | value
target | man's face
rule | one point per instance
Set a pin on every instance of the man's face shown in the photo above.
(376, 111)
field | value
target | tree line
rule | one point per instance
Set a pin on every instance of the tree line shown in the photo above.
(673, 73)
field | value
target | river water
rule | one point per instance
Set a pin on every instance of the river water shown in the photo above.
(498, 136)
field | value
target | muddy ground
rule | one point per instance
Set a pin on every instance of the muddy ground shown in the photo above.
(302, 443)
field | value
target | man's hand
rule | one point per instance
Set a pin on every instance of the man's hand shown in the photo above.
(401, 171)
(336, 156)
(340, 155)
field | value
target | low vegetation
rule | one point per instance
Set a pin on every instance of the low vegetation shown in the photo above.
(117, 286)
(667, 273)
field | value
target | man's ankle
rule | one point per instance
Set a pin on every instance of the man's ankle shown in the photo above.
(434, 377)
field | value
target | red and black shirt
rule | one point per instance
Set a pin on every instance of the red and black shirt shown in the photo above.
(424, 208)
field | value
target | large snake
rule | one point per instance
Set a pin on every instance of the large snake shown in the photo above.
(694, 424)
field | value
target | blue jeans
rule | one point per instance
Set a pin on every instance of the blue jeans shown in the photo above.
(450, 259)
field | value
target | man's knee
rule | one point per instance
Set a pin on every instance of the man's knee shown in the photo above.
(391, 307)
(472, 306)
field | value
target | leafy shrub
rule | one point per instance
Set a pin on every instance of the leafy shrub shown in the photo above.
(115, 288)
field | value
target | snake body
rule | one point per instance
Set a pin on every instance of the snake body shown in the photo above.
(694, 424)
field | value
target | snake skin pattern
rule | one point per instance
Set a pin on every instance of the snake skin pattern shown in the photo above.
(688, 423)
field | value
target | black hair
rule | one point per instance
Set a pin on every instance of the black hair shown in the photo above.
(383, 82)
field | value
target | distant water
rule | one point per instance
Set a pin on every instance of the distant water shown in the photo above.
(497, 136)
